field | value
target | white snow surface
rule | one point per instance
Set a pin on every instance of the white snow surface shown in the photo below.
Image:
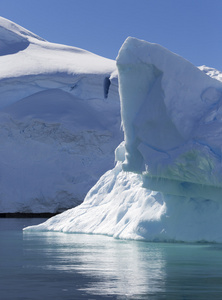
(119, 206)
(59, 121)
(166, 185)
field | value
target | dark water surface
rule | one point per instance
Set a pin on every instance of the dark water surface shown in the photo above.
(47, 266)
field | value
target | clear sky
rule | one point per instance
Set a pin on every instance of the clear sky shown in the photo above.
(190, 28)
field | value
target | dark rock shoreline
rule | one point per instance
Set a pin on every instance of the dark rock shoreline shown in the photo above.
(27, 215)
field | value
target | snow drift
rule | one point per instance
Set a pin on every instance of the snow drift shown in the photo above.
(166, 185)
(59, 121)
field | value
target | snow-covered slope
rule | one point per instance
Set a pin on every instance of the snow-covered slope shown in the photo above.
(211, 72)
(42, 65)
(59, 121)
(166, 185)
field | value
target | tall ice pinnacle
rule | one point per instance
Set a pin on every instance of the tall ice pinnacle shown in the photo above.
(172, 116)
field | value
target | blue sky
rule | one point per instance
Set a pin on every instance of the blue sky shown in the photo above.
(190, 28)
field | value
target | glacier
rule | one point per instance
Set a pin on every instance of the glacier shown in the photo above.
(59, 121)
(166, 185)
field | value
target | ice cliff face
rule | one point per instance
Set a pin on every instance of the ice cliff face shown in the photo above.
(166, 185)
(59, 121)
(171, 117)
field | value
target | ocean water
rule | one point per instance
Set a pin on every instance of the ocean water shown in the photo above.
(47, 266)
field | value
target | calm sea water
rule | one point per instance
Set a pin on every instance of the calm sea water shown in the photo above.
(47, 266)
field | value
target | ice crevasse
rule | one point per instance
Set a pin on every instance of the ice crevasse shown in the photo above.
(166, 185)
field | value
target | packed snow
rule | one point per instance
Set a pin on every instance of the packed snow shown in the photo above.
(166, 185)
(59, 121)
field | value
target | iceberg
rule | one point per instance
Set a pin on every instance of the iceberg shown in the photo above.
(59, 121)
(166, 185)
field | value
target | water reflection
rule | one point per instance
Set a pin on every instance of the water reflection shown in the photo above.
(59, 266)
(130, 269)
(118, 267)
(193, 271)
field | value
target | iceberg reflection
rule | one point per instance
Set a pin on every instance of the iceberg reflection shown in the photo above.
(117, 267)
(81, 265)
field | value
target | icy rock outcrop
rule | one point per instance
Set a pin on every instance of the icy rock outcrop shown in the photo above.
(166, 185)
